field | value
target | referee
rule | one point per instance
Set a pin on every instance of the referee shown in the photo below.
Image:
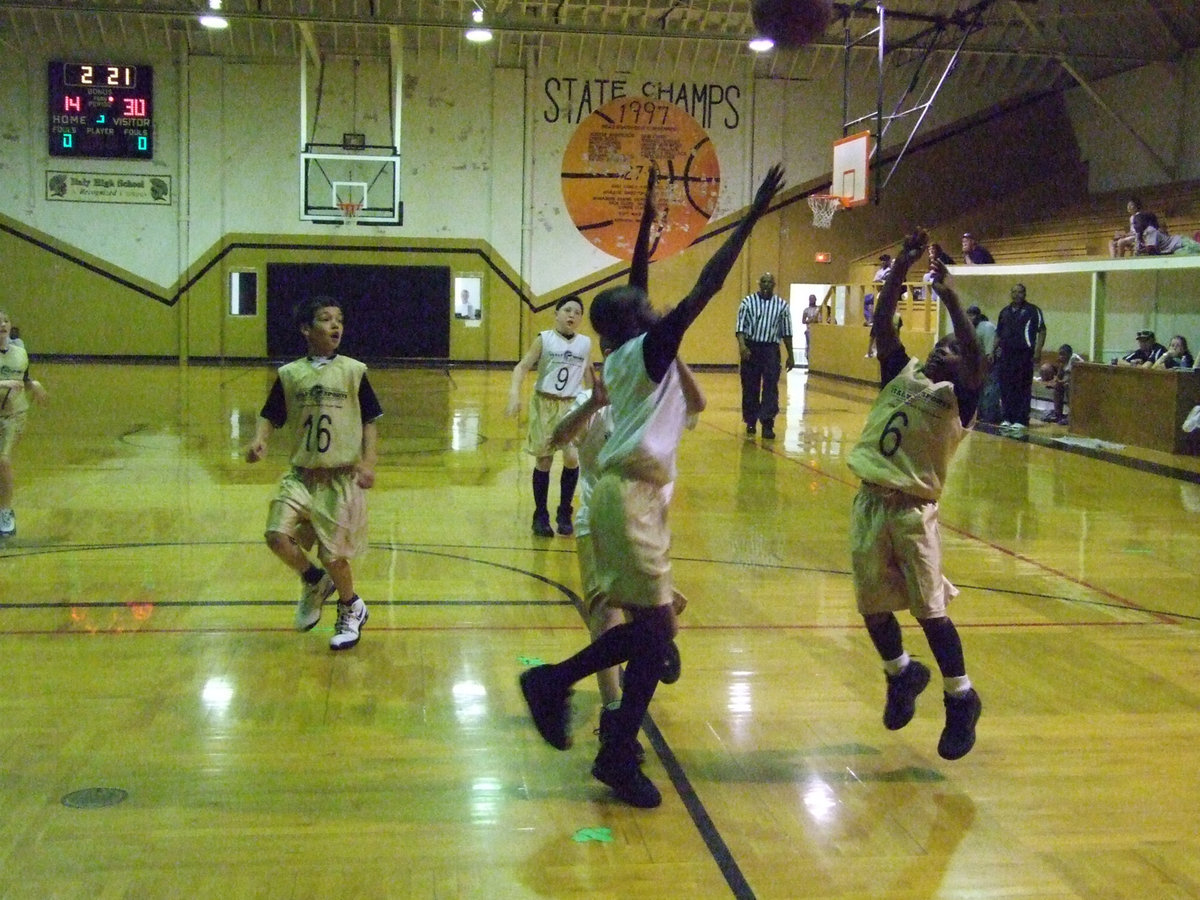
(763, 320)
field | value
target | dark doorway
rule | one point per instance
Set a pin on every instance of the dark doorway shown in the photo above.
(392, 312)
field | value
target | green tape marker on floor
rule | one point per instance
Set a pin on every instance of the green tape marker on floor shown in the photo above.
(603, 835)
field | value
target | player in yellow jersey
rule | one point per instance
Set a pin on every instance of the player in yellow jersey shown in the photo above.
(330, 409)
(923, 412)
(16, 390)
(562, 359)
(628, 515)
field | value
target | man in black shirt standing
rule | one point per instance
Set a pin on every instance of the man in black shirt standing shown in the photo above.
(763, 320)
(1020, 333)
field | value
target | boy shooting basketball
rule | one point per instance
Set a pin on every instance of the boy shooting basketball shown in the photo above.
(331, 409)
(629, 510)
(922, 414)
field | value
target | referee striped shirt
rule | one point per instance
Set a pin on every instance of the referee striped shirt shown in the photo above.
(764, 320)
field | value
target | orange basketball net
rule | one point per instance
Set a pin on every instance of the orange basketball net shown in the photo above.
(823, 207)
(349, 209)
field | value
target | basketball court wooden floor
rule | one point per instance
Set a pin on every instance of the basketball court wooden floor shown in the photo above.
(164, 732)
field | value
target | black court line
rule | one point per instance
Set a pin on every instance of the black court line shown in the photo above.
(570, 597)
(709, 833)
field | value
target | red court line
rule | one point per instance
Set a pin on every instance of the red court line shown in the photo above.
(1103, 592)
(402, 629)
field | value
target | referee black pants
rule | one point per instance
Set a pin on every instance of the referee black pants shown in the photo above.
(1014, 371)
(760, 383)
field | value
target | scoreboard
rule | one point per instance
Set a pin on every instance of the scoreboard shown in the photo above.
(101, 110)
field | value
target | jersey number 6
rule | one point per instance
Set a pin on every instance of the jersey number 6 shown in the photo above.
(889, 441)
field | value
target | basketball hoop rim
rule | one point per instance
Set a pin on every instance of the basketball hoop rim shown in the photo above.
(823, 207)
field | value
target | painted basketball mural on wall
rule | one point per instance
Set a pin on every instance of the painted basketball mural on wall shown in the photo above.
(605, 168)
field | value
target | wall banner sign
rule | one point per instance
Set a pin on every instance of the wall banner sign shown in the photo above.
(98, 187)
(606, 166)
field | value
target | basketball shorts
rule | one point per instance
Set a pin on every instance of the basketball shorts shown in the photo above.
(545, 412)
(321, 506)
(632, 541)
(10, 429)
(896, 551)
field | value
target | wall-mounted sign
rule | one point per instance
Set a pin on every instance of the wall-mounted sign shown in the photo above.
(605, 167)
(101, 187)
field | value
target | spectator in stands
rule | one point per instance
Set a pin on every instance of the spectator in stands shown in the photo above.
(937, 253)
(1020, 333)
(974, 253)
(1178, 356)
(985, 331)
(885, 263)
(1153, 240)
(1126, 241)
(989, 398)
(1057, 377)
(1147, 353)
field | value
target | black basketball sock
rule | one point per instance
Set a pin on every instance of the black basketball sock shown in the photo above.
(566, 487)
(313, 574)
(885, 635)
(946, 646)
(541, 490)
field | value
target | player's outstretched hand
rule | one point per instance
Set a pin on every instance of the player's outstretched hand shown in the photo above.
(914, 246)
(255, 451)
(941, 276)
(767, 190)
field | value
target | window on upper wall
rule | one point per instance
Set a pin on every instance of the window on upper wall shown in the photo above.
(243, 293)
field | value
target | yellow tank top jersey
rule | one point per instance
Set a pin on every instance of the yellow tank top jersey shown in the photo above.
(323, 414)
(14, 362)
(911, 434)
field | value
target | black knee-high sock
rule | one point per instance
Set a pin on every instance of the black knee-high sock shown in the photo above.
(642, 674)
(946, 646)
(541, 489)
(885, 635)
(613, 647)
(566, 487)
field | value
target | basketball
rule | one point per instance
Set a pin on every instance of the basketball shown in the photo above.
(791, 23)
(1048, 372)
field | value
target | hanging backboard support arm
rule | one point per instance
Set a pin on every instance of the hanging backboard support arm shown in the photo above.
(966, 22)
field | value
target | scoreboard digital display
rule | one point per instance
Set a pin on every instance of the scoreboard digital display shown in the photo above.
(101, 110)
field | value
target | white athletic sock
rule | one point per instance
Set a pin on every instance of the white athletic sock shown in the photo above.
(896, 666)
(956, 686)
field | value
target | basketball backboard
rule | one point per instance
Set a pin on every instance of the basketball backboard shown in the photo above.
(851, 174)
(331, 180)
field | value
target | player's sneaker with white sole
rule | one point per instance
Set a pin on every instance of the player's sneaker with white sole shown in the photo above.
(312, 598)
(351, 618)
(8, 523)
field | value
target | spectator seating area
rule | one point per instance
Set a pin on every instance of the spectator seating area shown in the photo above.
(1080, 231)
(1085, 230)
